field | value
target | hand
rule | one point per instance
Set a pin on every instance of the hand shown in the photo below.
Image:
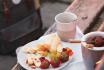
(101, 28)
(100, 65)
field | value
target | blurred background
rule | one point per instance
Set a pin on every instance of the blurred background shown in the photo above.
(22, 21)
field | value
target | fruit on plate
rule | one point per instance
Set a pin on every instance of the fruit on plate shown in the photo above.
(54, 41)
(33, 61)
(30, 50)
(43, 47)
(55, 60)
(64, 57)
(48, 53)
(43, 53)
(44, 63)
(68, 50)
(65, 54)
(30, 61)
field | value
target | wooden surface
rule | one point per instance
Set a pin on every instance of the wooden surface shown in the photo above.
(86, 10)
(99, 26)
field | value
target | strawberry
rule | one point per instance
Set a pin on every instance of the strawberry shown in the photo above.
(68, 51)
(55, 61)
(44, 63)
(99, 41)
(64, 56)
(64, 49)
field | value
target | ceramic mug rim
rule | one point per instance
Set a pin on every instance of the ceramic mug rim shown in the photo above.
(96, 33)
(69, 13)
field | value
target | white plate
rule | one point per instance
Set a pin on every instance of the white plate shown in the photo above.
(77, 66)
(77, 57)
(21, 56)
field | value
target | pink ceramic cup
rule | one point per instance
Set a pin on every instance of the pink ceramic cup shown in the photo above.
(91, 55)
(65, 26)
